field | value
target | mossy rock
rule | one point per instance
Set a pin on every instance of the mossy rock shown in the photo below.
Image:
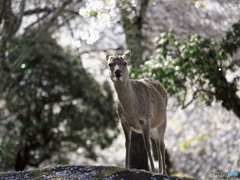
(86, 173)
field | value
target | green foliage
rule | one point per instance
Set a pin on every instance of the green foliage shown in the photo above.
(54, 105)
(196, 66)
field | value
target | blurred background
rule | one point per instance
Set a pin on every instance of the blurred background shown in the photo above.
(57, 104)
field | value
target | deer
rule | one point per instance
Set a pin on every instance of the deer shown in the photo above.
(141, 107)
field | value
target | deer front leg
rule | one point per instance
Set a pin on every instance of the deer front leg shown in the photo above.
(127, 133)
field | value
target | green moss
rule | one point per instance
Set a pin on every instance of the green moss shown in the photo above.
(111, 171)
(83, 172)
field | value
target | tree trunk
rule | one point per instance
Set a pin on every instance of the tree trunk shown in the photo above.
(133, 29)
(236, 106)
(133, 32)
(138, 153)
(226, 92)
(22, 159)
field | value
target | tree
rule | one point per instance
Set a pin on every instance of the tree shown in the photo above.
(45, 15)
(132, 19)
(52, 105)
(95, 27)
(198, 67)
(202, 71)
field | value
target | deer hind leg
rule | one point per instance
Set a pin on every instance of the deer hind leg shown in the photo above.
(127, 133)
(161, 156)
(162, 147)
(146, 138)
(159, 139)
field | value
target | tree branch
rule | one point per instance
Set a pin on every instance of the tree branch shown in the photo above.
(194, 97)
(44, 29)
(37, 21)
(38, 10)
(47, 10)
(21, 13)
(2, 8)
(8, 33)
(190, 102)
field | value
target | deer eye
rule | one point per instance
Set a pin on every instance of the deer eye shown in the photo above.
(110, 65)
(124, 63)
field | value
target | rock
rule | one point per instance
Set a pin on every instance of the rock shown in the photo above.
(86, 173)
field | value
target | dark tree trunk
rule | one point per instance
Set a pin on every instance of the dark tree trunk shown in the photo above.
(133, 32)
(226, 92)
(21, 160)
(236, 105)
(138, 154)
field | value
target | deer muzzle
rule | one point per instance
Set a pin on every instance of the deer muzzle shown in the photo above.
(118, 75)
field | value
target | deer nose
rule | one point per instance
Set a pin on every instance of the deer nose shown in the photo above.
(118, 72)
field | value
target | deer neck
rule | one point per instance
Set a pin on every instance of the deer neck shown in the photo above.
(126, 97)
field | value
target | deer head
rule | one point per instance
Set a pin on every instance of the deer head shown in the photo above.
(118, 66)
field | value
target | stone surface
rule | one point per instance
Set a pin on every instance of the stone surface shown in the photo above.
(86, 173)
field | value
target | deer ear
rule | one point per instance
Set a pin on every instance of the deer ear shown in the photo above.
(108, 55)
(127, 55)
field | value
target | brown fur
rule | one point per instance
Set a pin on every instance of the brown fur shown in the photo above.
(141, 107)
